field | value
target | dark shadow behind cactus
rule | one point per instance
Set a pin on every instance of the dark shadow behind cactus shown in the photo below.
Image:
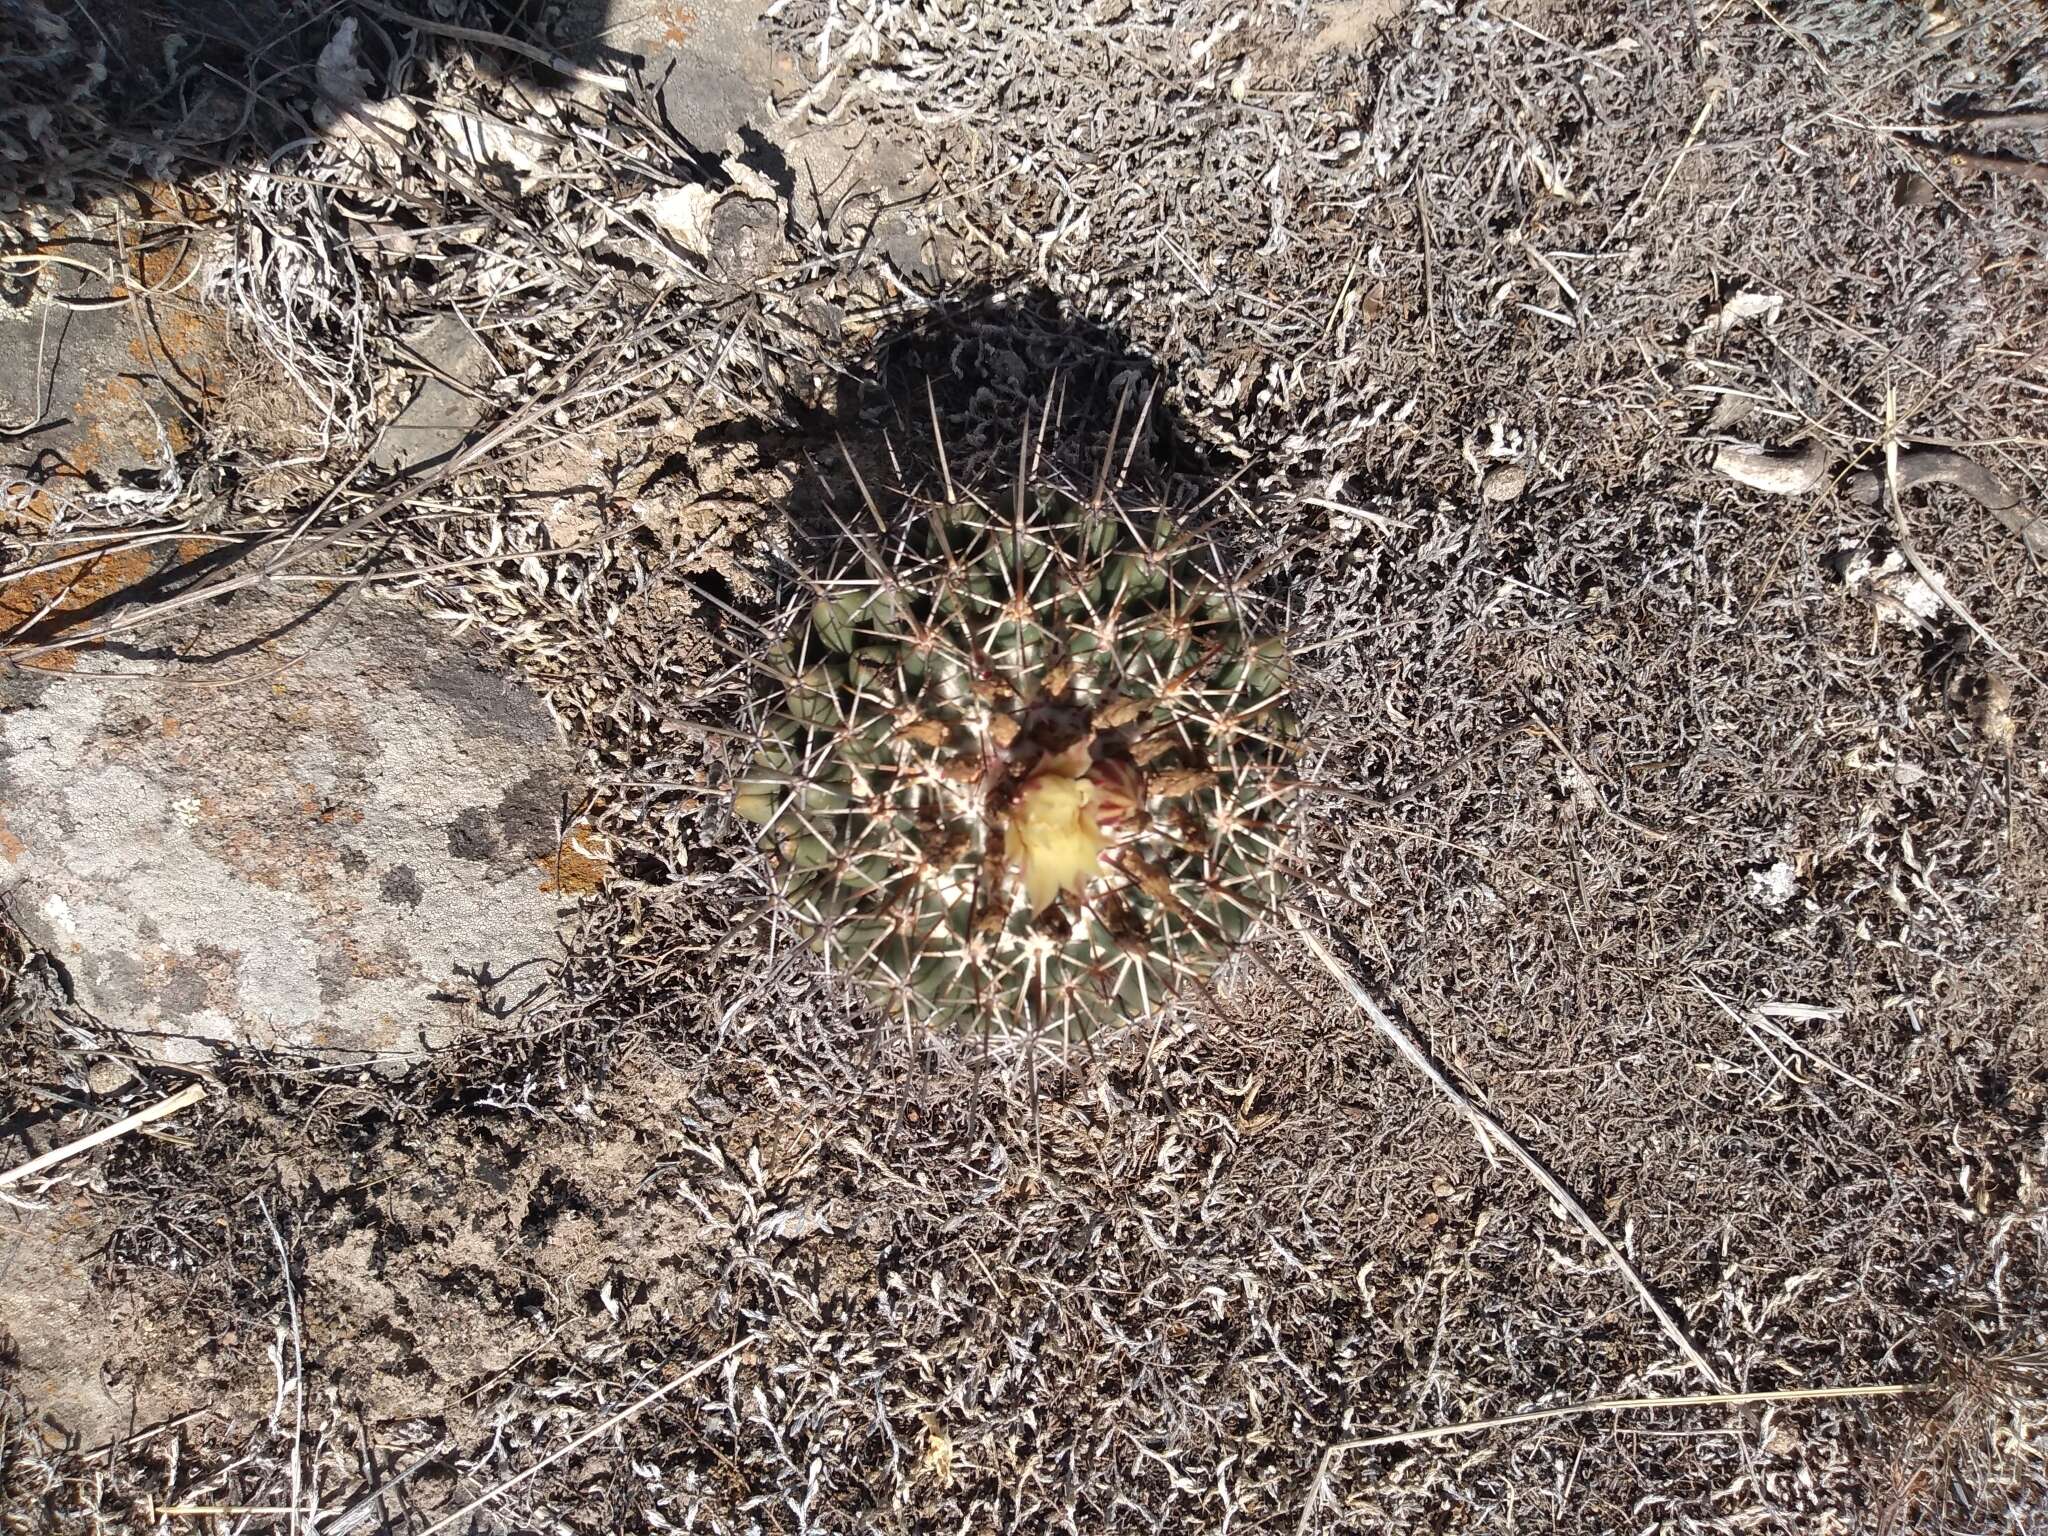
(1026, 739)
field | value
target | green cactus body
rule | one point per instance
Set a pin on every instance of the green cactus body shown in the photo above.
(1025, 767)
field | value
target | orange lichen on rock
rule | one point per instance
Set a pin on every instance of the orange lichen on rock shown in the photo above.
(66, 593)
(123, 393)
(117, 430)
(572, 871)
(186, 345)
(165, 249)
(677, 21)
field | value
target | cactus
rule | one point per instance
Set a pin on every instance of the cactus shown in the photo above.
(1022, 763)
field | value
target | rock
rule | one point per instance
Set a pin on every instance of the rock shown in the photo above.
(300, 827)
(1504, 482)
(710, 62)
(746, 239)
(720, 84)
(445, 414)
(737, 233)
(93, 396)
(63, 1334)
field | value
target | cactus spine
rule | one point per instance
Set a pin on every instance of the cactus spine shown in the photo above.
(1023, 764)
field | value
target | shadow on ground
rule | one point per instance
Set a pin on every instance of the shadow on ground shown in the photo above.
(104, 91)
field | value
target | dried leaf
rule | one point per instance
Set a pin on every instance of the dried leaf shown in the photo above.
(684, 214)
(495, 148)
(1742, 306)
(1776, 471)
(345, 109)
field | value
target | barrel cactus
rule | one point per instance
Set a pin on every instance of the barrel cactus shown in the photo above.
(1023, 759)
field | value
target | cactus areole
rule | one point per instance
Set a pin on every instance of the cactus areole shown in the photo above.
(1024, 761)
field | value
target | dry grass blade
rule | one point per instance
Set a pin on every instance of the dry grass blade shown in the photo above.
(291, 1301)
(547, 56)
(638, 1406)
(1605, 1405)
(1490, 1128)
(1624, 1405)
(184, 1098)
(1754, 1020)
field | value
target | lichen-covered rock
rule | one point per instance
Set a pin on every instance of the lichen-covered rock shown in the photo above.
(308, 827)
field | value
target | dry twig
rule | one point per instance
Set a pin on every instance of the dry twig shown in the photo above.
(184, 1098)
(1603, 1405)
(1490, 1129)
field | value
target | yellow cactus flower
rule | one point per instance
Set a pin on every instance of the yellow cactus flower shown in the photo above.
(1053, 836)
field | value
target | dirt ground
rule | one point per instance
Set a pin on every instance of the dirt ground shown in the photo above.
(1636, 408)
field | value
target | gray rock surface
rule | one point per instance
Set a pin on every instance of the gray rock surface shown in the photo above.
(89, 399)
(310, 830)
(718, 77)
(446, 412)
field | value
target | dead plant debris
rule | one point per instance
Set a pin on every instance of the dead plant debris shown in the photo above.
(1727, 897)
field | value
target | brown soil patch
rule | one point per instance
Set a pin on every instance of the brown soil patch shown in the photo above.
(67, 1339)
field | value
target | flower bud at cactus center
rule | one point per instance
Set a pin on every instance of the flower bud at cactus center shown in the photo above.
(1056, 835)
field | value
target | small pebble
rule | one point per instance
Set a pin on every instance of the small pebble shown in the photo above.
(1505, 483)
(746, 239)
(1987, 697)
